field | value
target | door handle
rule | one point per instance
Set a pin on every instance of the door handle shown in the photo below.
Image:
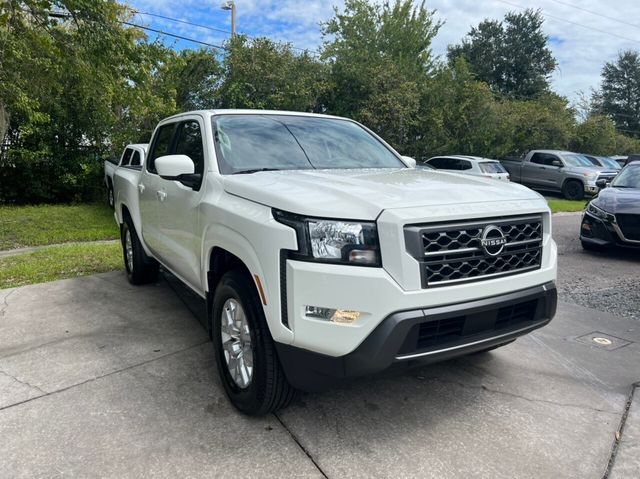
(161, 195)
(140, 188)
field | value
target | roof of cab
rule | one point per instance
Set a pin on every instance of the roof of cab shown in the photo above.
(233, 111)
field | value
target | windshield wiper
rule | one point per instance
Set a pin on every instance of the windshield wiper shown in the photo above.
(254, 170)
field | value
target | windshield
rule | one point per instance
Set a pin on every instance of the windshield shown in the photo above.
(576, 160)
(283, 142)
(628, 178)
(492, 167)
(611, 164)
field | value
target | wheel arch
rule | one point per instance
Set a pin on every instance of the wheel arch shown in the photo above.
(229, 251)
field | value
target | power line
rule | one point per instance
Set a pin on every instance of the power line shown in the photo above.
(198, 25)
(573, 23)
(66, 16)
(162, 32)
(213, 29)
(597, 14)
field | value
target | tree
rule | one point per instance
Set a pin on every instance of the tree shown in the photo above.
(260, 73)
(457, 114)
(595, 135)
(73, 80)
(619, 96)
(379, 57)
(511, 56)
(546, 122)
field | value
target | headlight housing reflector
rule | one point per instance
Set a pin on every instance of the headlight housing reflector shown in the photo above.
(599, 212)
(334, 241)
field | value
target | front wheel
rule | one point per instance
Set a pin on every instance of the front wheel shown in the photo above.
(141, 269)
(247, 361)
(573, 190)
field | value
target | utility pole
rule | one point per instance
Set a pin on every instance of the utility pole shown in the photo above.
(231, 5)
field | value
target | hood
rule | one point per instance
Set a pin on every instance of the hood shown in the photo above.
(365, 193)
(619, 200)
(585, 169)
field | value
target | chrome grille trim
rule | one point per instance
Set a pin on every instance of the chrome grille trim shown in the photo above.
(451, 253)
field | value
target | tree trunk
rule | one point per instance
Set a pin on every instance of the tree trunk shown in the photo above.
(4, 122)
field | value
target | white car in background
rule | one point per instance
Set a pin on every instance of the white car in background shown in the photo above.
(469, 165)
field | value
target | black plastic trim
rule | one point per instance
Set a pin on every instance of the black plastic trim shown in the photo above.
(386, 345)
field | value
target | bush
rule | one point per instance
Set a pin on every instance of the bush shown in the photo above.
(37, 177)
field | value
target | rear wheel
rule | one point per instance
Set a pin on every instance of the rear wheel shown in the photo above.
(573, 190)
(141, 269)
(110, 196)
(247, 361)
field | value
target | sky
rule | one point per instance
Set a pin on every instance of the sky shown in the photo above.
(583, 34)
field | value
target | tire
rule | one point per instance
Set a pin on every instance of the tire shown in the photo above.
(573, 190)
(110, 198)
(494, 347)
(257, 386)
(140, 268)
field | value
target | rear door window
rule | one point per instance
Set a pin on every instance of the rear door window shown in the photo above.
(135, 159)
(464, 165)
(442, 163)
(538, 159)
(126, 157)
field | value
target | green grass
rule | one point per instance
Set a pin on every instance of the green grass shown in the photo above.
(59, 262)
(558, 205)
(22, 226)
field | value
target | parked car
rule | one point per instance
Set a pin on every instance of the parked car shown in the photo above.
(603, 162)
(323, 254)
(132, 157)
(620, 159)
(623, 160)
(613, 217)
(469, 165)
(558, 171)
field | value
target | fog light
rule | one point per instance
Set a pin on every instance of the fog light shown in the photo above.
(340, 316)
(363, 256)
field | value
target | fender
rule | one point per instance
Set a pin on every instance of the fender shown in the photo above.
(221, 236)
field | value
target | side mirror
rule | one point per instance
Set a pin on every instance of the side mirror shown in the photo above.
(557, 163)
(410, 162)
(178, 168)
(601, 183)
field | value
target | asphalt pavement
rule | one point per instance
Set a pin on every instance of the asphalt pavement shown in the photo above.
(102, 379)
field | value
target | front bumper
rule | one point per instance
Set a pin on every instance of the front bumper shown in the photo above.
(591, 188)
(601, 233)
(426, 335)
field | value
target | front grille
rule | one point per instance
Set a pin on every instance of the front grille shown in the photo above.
(452, 330)
(453, 252)
(629, 225)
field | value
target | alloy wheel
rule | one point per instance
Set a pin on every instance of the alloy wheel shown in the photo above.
(236, 343)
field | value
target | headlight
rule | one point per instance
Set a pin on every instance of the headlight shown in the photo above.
(598, 212)
(333, 241)
(591, 175)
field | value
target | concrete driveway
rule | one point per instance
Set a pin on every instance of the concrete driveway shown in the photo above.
(102, 379)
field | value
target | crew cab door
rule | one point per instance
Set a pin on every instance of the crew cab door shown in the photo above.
(542, 171)
(178, 220)
(150, 184)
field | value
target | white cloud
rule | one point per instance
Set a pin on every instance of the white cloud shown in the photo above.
(581, 52)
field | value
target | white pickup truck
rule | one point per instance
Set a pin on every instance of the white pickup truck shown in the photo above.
(132, 157)
(323, 254)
